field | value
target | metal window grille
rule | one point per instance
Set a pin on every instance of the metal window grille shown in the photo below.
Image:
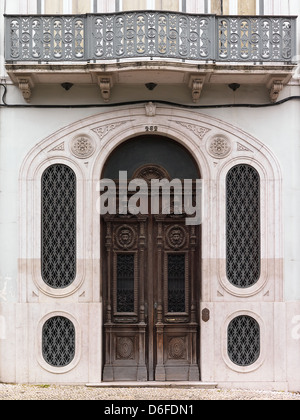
(176, 283)
(58, 226)
(58, 341)
(125, 283)
(243, 226)
(244, 341)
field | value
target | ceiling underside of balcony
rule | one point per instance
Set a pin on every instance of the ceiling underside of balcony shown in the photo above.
(273, 76)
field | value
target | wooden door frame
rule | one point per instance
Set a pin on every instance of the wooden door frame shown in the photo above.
(119, 332)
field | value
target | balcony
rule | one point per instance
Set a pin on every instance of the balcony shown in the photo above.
(109, 49)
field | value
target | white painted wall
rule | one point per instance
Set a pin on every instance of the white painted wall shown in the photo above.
(272, 7)
(195, 6)
(107, 6)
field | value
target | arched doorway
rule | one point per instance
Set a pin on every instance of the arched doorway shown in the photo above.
(151, 272)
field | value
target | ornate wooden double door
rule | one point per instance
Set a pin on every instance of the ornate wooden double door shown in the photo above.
(151, 293)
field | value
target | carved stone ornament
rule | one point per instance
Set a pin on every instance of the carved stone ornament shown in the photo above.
(197, 89)
(219, 147)
(196, 129)
(196, 83)
(176, 237)
(104, 130)
(150, 109)
(276, 88)
(125, 237)
(83, 147)
(26, 85)
(105, 82)
(242, 148)
(59, 148)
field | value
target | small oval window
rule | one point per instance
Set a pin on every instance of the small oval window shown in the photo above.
(58, 341)
(243, 341)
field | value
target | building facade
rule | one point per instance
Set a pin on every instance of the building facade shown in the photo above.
(158, 89)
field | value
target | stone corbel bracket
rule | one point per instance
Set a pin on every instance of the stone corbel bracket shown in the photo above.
(106, 83)
(275, 86)
(196, 83)
(26, 85)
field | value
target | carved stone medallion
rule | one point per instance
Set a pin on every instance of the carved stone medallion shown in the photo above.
(125, 237)
(219, 147)
(176, 237)
(83, 147)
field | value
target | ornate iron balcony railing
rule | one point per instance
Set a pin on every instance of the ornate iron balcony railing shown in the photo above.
(150, 34)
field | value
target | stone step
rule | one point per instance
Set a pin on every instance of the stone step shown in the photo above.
(190, 385)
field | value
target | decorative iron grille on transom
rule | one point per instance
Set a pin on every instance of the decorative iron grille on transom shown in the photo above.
(59, 226)
(243, 241)
(244, 341)
(58, 341)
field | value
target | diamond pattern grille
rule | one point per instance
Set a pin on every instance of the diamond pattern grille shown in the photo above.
(58, 341)
(243, 226)
(176, 283)
(244, 341)
(125, 283)
(59, 226)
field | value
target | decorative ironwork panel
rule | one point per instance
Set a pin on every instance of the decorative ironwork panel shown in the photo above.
(58, 341)
(243, 226)
(255, 39)
(125, 283)
(58, 226)
(176, 283)
(150, 34)
(244, 341)
(47, 38)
